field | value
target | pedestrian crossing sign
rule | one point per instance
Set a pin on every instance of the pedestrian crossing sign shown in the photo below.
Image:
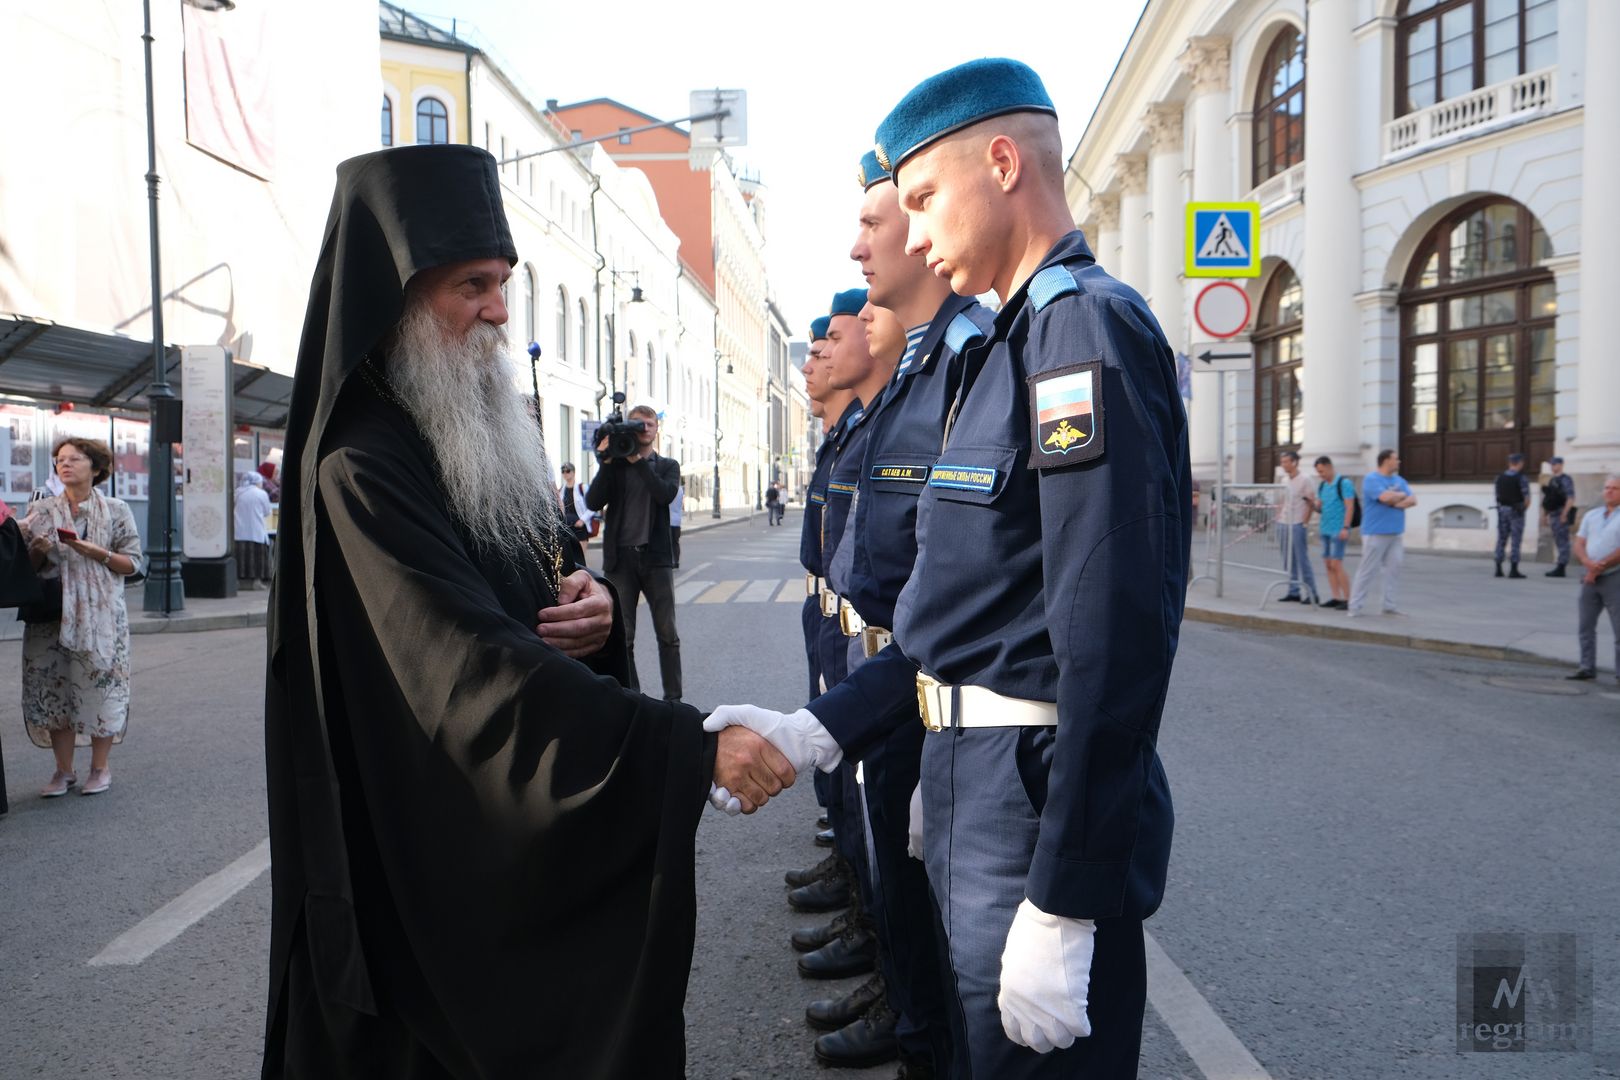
(1223, 239)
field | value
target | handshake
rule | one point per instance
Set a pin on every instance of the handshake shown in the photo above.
(761, 752)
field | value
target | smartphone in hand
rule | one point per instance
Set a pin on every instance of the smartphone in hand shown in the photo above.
(66, 534)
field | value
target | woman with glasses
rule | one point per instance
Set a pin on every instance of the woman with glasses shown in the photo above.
(83, 544)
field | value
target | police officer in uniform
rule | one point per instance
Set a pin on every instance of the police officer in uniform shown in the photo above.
(1512, 499)
(1558, 507)
(1041, 620)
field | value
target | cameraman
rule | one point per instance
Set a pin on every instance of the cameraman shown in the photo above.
(637, 548)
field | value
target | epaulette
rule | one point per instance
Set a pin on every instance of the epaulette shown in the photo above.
(1049, 284)
(961, 331)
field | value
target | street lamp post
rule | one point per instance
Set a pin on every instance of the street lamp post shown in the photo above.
(613, 343)
(717, 433)
(165, 592)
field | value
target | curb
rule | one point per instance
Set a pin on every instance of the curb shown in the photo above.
(1369, 637)
(191, 624)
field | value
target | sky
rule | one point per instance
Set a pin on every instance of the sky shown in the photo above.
(819, 78)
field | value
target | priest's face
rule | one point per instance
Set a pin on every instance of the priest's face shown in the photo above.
(463, 294)
(450, 366)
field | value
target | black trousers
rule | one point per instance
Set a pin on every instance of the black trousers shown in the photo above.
(632, 579)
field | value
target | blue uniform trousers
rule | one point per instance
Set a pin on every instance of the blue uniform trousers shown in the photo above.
(810, 619)
(909, 930)
(981, 788)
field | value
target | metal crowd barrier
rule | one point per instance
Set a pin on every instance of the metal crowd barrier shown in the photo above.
(1241, 530)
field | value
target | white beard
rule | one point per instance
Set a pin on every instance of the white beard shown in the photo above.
(492, 463)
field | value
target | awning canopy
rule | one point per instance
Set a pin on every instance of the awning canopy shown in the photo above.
(46, 360)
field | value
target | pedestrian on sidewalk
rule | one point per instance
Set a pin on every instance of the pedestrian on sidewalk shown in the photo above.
(773, 504)
(1293, 519)
(1386, 497)
(1598, 549)
(577, 515)
(252, 506)
(1558, 511)
(1335, 497)
(1512, 499)
(677, 512)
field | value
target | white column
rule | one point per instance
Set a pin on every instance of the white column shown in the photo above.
(1165, 258)
(1207, 64)
(1596, 446)
(1332, 376)
(1106, 242)
(1133, 233)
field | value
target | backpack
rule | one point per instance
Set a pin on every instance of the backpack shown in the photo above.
(1352, 513)
(1552, 498)
(1508, 491)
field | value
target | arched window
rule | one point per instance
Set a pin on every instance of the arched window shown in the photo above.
(528, 304)
(1279, 354)
(1279, 107)
(652, 371)
(1477, 344)
(432, 121)
(562, 323)
(387, 121)
(584, 333)
(1448, 48)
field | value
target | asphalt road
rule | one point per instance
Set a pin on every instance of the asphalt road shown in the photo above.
(1344, 813)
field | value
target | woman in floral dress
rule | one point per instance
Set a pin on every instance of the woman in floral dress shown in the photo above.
(76, 669)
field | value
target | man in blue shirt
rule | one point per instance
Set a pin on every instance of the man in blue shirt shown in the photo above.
(1598, 550)
(1385, 498)
(1334, 502)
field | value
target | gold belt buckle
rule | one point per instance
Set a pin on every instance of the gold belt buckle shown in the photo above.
(926, 701)
(874, 639)
(849, 620)
(829, 603)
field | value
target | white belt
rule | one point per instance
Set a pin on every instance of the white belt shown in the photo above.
(980, 707)
(849, 620)
(812, 585)
(874, 639)
(829, 604)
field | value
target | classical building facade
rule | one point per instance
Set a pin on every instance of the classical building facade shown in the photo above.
(1434, 179)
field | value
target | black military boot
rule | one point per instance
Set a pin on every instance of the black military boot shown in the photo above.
(1498, 569)
(854, 952)
(830, 1014)
(1557, 571)
(824, 838)
(1515, 573)
(810, 938)
(822, 820)
(831, 866)
(915, 1068)
(828, 894)
(868, 1041)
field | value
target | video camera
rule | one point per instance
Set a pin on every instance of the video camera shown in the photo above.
(623, 436)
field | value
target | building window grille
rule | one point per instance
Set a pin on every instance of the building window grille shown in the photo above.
(387, 121)
(1279, 347)
(1279, 107)
(1448, 48)
(432, 122)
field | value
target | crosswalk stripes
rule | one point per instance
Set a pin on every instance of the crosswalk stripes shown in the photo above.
(720, 592)
(740, 591)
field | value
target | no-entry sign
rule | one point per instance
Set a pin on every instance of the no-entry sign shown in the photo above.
(1222, 309)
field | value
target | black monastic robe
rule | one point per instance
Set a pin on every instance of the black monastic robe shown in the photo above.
(482, 850)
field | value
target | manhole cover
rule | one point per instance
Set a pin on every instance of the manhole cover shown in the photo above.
(1533, 685)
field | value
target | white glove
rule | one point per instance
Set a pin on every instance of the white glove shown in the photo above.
(1045, 974)
(914, 842)
(799, 736)
(721, 799)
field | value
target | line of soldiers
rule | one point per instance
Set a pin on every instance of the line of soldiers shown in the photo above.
(995, 552)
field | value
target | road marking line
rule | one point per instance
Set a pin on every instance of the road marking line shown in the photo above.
(791, 592)
(176, 917)
(698, 569)
(758, 592)
(686, 590)
(1195, 1024)
(722, 592)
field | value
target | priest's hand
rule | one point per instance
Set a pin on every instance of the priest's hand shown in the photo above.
(747, 769)
(1045, 979)
(800, 736)
(581, 621)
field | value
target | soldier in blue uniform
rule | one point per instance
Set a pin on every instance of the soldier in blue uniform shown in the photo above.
(1041, 621)
(1558, 507)
(1512, 500)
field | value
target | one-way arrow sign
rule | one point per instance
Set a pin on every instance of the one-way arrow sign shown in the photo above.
(1230, 355)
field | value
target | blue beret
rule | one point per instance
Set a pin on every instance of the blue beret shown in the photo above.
(818, 328)
(848, 302)
(954, 99)
(871, 172)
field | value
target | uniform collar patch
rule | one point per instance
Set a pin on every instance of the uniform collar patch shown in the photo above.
(1066, 415)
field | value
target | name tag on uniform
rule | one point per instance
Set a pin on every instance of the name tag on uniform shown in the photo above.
(979, 478)
(1066, 415)
(835, 488)
(910, 474)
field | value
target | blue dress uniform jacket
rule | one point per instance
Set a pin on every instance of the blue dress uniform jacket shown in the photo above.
(842, 483)
(1052, 565)
(810, 553)
(904, 443)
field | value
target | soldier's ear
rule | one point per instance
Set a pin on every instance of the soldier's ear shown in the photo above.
(1006, 165)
